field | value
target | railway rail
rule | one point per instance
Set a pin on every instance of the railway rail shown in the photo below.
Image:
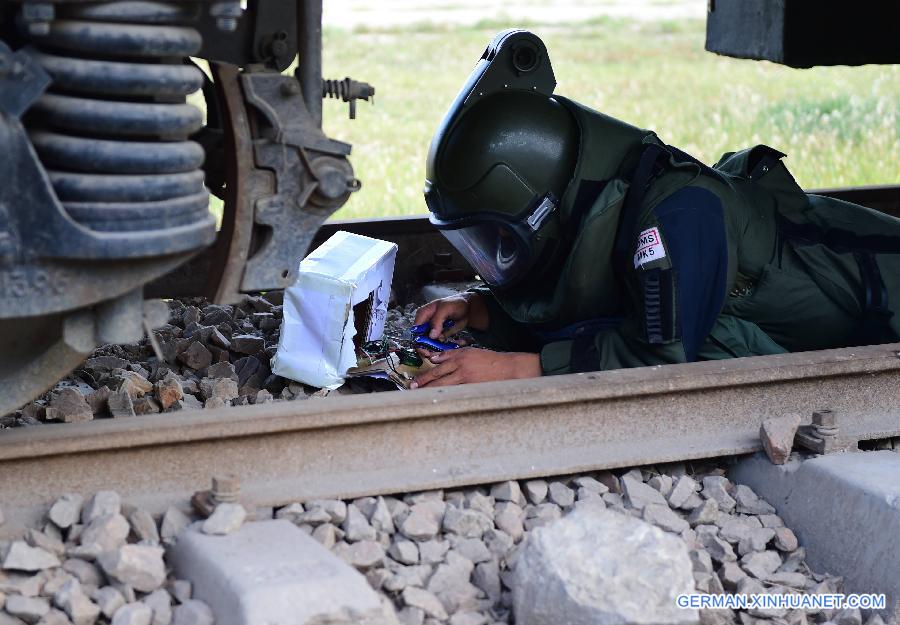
(424, 255)
(351, 446)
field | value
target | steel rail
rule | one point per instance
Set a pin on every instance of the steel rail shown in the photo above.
(883, 198)
(419, 241)
(350, 446)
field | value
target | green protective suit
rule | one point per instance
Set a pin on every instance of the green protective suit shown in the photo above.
(687, 262)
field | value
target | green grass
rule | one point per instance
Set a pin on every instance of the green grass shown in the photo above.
(839, 126)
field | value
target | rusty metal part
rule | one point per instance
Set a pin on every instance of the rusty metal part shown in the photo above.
(225, 489)
(348, 90)
(284, 179)
(202, 503)
(418, 241)
(265, 32)
(312, 179)
(309, 66)
(246, 184)
(350, 446)
(108, 171)
(824, 419)
(36, 351)
(823, 436)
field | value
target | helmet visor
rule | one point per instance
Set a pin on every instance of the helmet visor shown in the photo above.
(495, 249)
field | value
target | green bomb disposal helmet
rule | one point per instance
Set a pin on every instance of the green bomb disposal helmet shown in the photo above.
(500, 161)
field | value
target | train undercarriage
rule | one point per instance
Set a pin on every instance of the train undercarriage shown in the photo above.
(108, 169)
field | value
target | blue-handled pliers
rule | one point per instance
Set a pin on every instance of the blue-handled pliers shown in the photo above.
(417, 335)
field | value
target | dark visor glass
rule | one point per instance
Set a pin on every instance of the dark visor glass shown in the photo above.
(498, 247)
(495, 250)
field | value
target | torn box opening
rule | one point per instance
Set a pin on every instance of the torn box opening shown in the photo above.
(363, 320)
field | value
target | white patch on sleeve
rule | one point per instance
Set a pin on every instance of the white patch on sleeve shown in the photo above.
(649, 247)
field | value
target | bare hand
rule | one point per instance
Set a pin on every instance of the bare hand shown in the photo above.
(465, 309)
(470, 364)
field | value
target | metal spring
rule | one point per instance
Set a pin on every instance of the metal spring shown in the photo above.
(339, 89)
(112, 131)
(348, 90)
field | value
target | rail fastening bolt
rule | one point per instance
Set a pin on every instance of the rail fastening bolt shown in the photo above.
(824, 424)
(824, 418)
(226, 489)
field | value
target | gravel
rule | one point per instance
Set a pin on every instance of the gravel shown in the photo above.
(23, 557)
(213, 357)
(66, 510)
(225, 519)
(69, 406)
(448, 557)
(104, 502)
(138, 566)
(536, 490)
(133, 614)
(47, 580)
(777, 436)
(29, 609)
(442, 557)
(72, 600)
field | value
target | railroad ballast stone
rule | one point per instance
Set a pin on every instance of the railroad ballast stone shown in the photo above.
(212, 357)
(23, 557)
(103, 503)
(442, 565)
(225, 519)
(133, 614)
(465, 563)
(29, 609)
(72, 600)
(93, 562)
(69, 406)
(777, 436)
(597, 567)
(138, 566)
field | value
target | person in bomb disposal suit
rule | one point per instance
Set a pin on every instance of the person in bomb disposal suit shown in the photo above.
(602, 247)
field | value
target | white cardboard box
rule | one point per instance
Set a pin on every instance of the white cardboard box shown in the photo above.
(340, 298)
